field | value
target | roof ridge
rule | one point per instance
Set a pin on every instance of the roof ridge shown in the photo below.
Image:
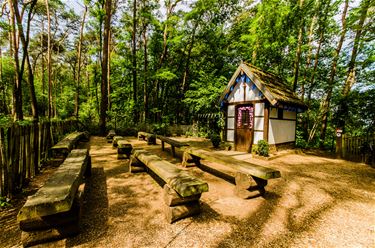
(261, 70)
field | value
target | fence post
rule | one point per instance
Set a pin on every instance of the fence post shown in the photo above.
(2, 163)
(339, 143)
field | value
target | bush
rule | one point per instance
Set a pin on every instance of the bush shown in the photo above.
(215, 139)
(4, 202)
(262, 148)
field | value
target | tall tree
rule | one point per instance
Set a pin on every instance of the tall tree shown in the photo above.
(327, 100)
(17, 87)
(79, 63)
(351, 71)
(134, 59)
(310, 48)
(25, 53)
(49, 62)
(104, 83)
(299, 45)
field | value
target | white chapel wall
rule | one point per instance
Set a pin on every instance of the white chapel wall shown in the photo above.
(230, 123)
(237, 95)
(281, 131)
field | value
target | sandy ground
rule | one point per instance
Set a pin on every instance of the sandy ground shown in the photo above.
(318, 202)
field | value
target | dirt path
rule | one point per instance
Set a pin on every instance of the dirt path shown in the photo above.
(318, 202)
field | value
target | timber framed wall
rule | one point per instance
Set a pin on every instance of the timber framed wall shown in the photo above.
(282, 126)
(275, 107)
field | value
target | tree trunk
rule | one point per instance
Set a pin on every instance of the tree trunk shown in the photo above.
(322, 27)
(76, 109)
(184, 85)
(104, 83)
(49, 61)
(350, 78)
(327, 100)
(134, 59)
(299, 50)
(17, 88)
(3, 102)
(25, 55)
(309, 53)
(88, 81)
(145, 71)
(109, 70)
(170, 6)
(43, 67)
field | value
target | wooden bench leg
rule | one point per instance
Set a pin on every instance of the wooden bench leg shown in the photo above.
(162, 145)
(124, 152)
(135, 165)
(173, 151)
(190, 160)
(151, 140)
(87, 172)
(53, 227)
(248, 186)
(172, 198)
(177, 207)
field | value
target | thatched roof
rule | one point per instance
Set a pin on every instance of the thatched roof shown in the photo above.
(272, 87)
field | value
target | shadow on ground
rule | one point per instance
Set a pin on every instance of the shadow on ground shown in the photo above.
(95, 210)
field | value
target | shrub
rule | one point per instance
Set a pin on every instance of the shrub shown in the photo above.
(4, 202)
(262, 148)
(254, 149)
(215, 139)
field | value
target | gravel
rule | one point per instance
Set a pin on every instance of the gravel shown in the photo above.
(318, 202)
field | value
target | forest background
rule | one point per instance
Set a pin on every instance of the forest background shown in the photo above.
(125, 63)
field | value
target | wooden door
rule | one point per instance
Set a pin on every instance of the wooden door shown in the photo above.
(244, 127)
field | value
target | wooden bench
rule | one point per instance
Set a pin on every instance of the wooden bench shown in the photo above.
(172, 142)
(53, 212)
(249, 178)
(115, 140)
(110, 135)
(182, 191)
(69, 142)
(149, 137)
(124, 149)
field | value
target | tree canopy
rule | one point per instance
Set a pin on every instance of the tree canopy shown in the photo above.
(125, 62)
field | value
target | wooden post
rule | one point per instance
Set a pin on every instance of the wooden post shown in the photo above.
(266, 121)
(173, 151)
(248, 186)
(190, 160)
(177, 207)
(339, 143)
(35, 150)
(2, 162)
(135, 165)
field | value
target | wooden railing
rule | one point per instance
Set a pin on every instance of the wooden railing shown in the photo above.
(359, 149)
(24, 149)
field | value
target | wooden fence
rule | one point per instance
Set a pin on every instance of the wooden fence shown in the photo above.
(24, 149)
(359, 149)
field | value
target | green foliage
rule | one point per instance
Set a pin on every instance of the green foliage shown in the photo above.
(166, 75)
(262, 148)
(204, 92)
(5, 120)
(4, 202)
(190, 56)
(300, 139)
(89, 116)
(215, 139)
(160, 128)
